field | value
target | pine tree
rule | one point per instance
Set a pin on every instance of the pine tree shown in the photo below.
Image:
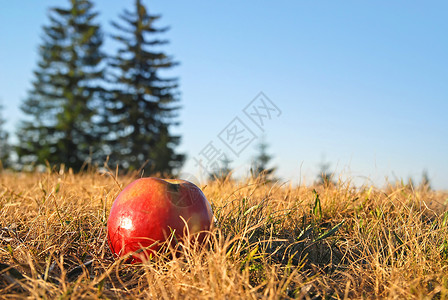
(260, 164)
(325, 176)
(425, 182)
(62, 124)
(222, 170)
(142, 107)
(4, 146)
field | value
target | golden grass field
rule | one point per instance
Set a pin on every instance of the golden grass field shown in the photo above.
(271, 241)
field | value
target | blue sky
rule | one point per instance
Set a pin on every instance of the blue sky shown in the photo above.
(360, 84)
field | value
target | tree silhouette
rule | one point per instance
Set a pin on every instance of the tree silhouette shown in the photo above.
(426, 182)
(260, 164)
(4, 145)
(142, 107)
(325, 176)
(222, 171)
(62, 107)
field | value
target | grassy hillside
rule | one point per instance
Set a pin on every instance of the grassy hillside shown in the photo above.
(271, 241)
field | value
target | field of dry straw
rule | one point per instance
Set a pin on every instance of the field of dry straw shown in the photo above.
(270, 241)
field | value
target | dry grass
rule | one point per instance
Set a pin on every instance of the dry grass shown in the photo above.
(271, 241)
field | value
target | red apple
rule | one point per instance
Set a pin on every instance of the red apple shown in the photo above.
(148, 210)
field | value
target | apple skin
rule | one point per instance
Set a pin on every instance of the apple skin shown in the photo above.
(146, 212)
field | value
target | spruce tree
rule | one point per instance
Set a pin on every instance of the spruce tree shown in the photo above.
(62, 106)
(222, 170)
(142, 106)
(425, 183)
(260, 164)
(325, 177)
(4, 146)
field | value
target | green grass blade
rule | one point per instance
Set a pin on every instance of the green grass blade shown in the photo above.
(330, 232)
